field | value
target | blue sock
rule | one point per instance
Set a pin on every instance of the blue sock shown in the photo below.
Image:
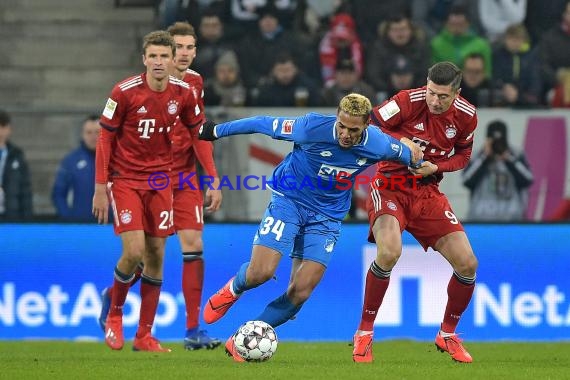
(239, 285)
(279, 311)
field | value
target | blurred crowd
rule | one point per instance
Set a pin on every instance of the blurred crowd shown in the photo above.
(514, 53)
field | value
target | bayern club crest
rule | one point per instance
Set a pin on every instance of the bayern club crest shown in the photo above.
(126, 216)
(172, 107)
(450, 131)
(391, 205)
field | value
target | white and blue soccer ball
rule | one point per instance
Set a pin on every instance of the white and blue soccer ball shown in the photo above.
(255, 341)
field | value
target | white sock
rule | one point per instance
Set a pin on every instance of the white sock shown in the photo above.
(361, 332)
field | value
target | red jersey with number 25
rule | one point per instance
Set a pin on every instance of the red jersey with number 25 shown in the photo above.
(407, 115)
(143, 121)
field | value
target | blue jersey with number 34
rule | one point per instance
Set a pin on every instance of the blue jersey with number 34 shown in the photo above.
(309, 173)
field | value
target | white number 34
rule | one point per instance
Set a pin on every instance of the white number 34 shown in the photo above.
(274, 226)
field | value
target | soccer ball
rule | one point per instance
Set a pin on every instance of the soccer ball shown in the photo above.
(255, 341)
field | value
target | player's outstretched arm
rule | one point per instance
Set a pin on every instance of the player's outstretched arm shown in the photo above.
(275, 127)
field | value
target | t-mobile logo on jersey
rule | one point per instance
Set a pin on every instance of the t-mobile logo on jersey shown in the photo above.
(147, 126)
(418, 277)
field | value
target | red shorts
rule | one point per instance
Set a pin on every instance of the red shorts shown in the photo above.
(188, 209)
(424, 212)
(141, 208)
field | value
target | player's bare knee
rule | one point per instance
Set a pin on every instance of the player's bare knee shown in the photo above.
(388, 255)
(467, 266)
(133, 255)
(191, 245)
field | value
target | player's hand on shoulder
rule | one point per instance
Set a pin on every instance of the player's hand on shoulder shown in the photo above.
(208, 131)
(425, 169)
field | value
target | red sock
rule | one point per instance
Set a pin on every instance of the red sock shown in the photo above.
(374, 292)
(458, 297)
(150, 292)
(119, 293)
(136, 278)
(192, 282)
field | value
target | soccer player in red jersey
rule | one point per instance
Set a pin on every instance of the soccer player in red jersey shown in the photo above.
(188, 202)
(438, 119)
(133, 161)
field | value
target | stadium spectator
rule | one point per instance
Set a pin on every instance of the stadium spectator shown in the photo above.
(225, 88)
(15, 183)
(439, 120)
(75, 177)
(554, 50)
(341, 41)
(134, 144)
(476, 87)
(287, 86)
(539, 19)
(345, 82)
(212, 44)
(258, 50)
(496, 16)
(498, 178)
(170, 11)
(397, 36)
(314, 15)
(457, 40)
(188, 202)
(401, 75)
(371, 13)
(304, 221)
(246, 13)
(516, 70)
(431, 15)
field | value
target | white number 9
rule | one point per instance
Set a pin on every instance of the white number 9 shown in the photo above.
(451, 216)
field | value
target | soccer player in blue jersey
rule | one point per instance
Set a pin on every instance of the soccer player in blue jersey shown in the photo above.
(304, 215)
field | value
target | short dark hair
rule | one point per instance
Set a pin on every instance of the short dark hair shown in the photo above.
(474, 55)
(283, 57)
(5, 118)
(445, 74)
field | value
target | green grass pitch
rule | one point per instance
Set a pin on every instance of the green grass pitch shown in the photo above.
(293, 361)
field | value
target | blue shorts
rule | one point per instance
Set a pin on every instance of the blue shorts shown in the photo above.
(293, 229)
